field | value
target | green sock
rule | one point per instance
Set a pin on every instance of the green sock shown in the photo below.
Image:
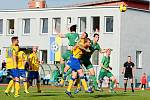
(69, 72)
(112, 85)
(94, 81)
(62, 68)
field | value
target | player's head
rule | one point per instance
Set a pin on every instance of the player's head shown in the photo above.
(87, 42)
(144, 73)
(34, 49)
(96, 37)
(84, 35)
(73, 28)
(15, 40)
(129, 58)
(108, 52)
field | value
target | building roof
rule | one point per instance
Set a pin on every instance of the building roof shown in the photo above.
(105, 1)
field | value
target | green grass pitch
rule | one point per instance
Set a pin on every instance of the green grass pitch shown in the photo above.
(57, 93)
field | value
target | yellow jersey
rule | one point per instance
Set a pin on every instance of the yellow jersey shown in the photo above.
(22, 58)
(11, 53)
(78, 52)
(34, 62)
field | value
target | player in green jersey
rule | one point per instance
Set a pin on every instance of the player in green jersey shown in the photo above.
(85, 60)
(72, 37)
(105, 70)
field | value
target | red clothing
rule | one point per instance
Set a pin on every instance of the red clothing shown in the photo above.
(143, 80)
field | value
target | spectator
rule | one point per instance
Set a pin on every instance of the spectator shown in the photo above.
(143, 81)
(3, 65)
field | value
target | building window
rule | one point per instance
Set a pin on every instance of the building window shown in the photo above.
(1, 26)
(109, 24)
(26, 26)
(82, 24)
(139, 59)
(11, 24)
(44, 25)
(56, 25)
(95, 24)
(68, 20)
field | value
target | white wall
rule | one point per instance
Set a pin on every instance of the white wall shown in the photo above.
(135, 33)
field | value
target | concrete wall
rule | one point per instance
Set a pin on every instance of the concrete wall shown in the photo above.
(135, 33)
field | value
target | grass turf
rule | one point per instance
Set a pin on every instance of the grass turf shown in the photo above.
(57, 93)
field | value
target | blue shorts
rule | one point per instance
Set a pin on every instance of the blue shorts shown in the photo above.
(74, 63)
(13, 73)
(33, 75)
(22, 73)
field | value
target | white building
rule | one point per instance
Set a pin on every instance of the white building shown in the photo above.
(127, 33)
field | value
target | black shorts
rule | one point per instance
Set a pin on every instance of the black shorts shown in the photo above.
(128, 76)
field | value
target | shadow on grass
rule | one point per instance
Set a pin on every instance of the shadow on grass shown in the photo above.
(110, 95)
(43, 95)
(54, 92)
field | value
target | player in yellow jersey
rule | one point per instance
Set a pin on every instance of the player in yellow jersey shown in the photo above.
(34, 68)
(22, 59)
(11, 65)
(74, 64)
(67, 71)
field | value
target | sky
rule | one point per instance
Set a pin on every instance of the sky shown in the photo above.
(20, 4)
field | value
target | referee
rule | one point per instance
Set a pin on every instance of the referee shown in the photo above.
(128, 72)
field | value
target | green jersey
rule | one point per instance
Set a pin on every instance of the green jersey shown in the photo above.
(93, 48)
(73, 38)
(105, 61)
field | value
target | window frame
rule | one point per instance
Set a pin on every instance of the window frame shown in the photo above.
(79, 25)
(23, 25)
(139, 59)
(8, 27)
(41, 26)
(54, 21)
(1, 33)
(92, 23)
(105, 26)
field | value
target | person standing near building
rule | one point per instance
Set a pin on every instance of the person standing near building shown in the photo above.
(143, 81)
(34, 69)
(128, 72)
(3, 65)
(11, 66)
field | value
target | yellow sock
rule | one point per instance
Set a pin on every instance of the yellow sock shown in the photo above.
(62, 81)
(84, 84)
(11, 83)
(70, 85)
(13, 88)
(78, 83)
(25, 86)
(17, 87)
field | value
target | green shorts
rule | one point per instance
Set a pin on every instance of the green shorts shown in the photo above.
(87, 63)
(103, 73)
(66, 55)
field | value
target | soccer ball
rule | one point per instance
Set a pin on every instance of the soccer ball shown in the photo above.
(123, 7)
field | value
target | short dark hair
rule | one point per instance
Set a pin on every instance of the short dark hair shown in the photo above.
(73, 28)
(86, 35)
(96, 34)
(14, 38)
(129, 56)
(87, 39)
